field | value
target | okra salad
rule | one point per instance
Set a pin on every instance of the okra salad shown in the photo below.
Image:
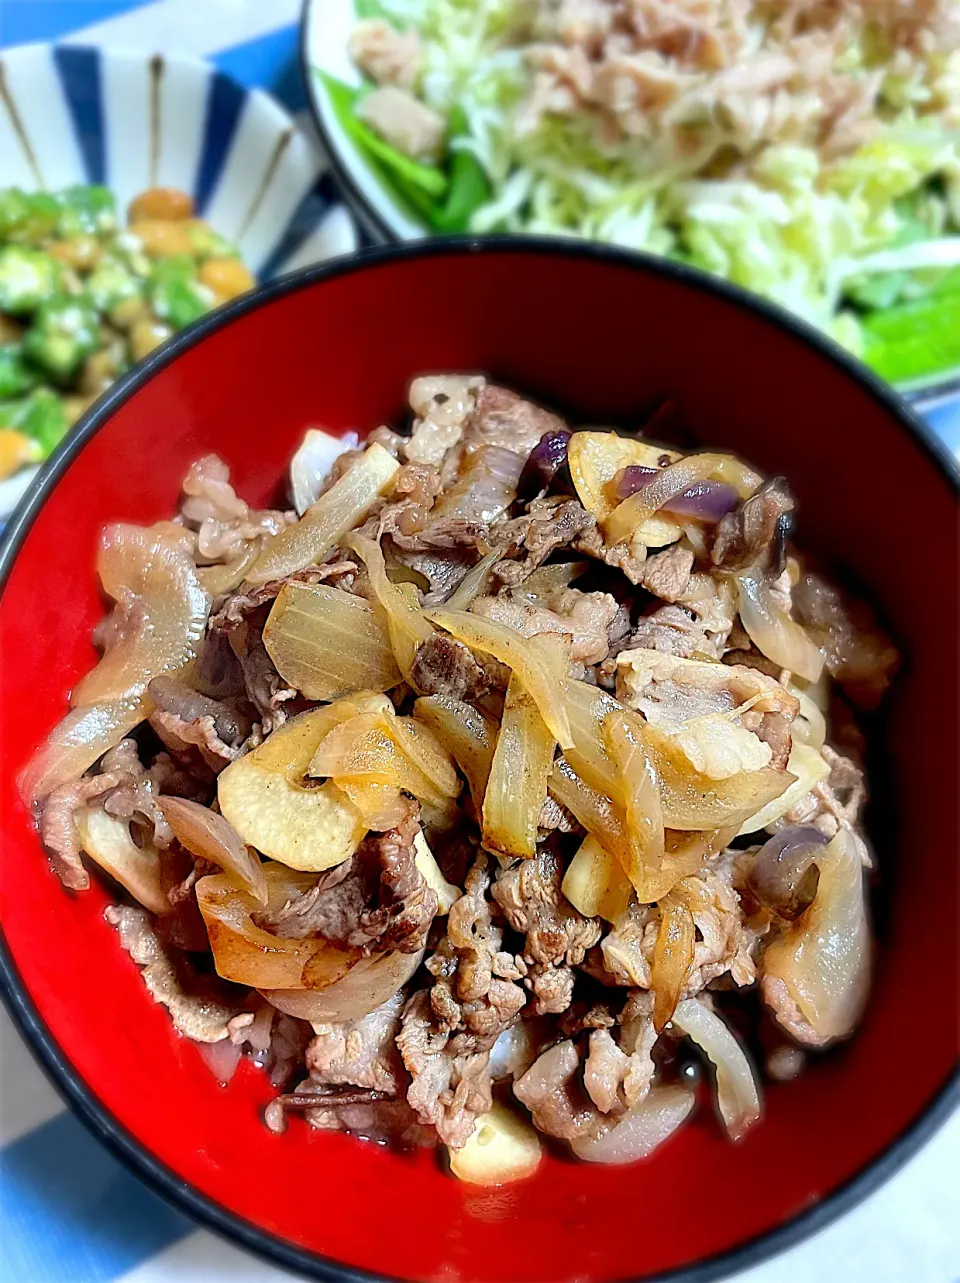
(82, 299)
(507, 787)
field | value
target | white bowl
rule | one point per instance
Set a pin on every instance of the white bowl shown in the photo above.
(70, 114)
(325, 32)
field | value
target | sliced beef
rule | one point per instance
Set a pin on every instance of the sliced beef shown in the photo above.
(266, 689)
(666, 574)
(376, 901)
(756, 532)
(201, 1018)
(858, 654)
(529, 540)
(443, 666)
(671, 691)
(671, 630)
(361, 1052)
(502, 418)
(184, 719)
(451, 1084)
(442, 403)
(553, 1092)
(556, 936)
(585, 618)
(590, 541)
(604, 1071)
(475, 987)
(225, 525)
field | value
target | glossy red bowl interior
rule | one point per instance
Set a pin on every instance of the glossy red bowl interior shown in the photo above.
(605, 336)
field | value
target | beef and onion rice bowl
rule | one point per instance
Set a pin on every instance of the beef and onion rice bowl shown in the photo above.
(508, 786)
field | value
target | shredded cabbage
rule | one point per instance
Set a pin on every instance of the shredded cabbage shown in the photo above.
(789, 221)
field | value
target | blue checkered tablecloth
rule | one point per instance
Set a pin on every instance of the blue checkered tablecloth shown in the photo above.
(68, 1210)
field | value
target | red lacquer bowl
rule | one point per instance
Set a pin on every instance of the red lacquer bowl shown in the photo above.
(605, 336)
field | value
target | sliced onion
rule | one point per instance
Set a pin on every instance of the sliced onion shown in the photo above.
(783, 875)
(627, 518)
(220, 579)
(809, 769)
(222, 1058)
(517, 783)
(367, 985)
(382, 806)
(73, 746)
(466, 733)
(407, 627)
(485, 487)
(338, 510)
(641, 1129)
(706, 501)
(310, 466)
(207, 834)
(403, 754)
(164, 616)
(248, 955)
(809, 725)
(692, 800)
(165, 613)
(474, 582)
(540, 669)
(774, 633)
(823, 958)
(328, 643)
(737, 1094)
(107, 839)
(641, 799)
(545, 460)
(672, 959)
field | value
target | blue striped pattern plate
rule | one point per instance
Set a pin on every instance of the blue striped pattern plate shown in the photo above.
(71, 114)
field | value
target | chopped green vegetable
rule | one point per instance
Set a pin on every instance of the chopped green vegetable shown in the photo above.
(13, 211)
(27, 278)
(111, 283)
(343, 99)
(16, 377)
(206, 243)
(63, 333)
(27, 218)
(914, 340)
(40, 416)
(88, 300)
(880, 291)
(370, 9)
(469, 185)
(174, 292)
(86, 209)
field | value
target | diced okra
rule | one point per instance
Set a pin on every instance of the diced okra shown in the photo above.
(175, 294)
(27, 217)
(206, 243)
(40, 416)
(16, 377)
(64, 332)
(28, 277)
(112, 283)
(89, 209)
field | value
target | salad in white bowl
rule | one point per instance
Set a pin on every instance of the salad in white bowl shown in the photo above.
(807, 151)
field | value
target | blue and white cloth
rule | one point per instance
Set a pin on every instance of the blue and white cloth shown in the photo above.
(68, 1209)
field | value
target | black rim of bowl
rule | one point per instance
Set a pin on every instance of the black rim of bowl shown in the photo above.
(370, 218)
(58, 1068)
